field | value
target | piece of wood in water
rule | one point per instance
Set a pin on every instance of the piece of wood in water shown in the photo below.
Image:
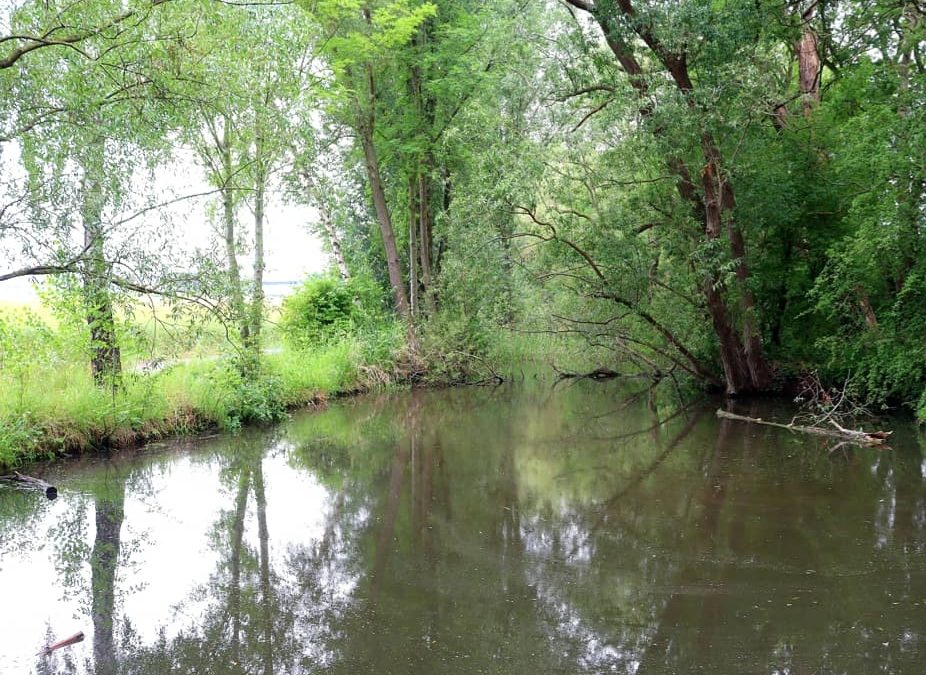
(51, 492)
(66, 642)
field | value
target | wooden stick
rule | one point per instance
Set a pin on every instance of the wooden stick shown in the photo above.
(862, 437)
(66, 642)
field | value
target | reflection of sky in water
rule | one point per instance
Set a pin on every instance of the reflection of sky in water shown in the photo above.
(166, 558)
(31, 600)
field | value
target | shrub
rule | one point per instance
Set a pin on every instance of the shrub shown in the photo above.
(327, 308)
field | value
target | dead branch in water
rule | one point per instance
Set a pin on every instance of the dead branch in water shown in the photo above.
(852, 435)
(597, 374)
(51, 492)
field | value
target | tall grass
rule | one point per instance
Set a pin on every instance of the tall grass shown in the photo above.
(50, 405)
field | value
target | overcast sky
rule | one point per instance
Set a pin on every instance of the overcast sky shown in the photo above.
(291, 251)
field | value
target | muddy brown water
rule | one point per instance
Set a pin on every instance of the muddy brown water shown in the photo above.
(587, 528)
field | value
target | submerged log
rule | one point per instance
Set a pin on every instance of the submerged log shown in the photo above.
(51, 492)
(66, 642)
(597, 374)
(843, 434)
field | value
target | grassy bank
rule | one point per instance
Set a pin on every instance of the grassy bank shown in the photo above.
(49, 405)
(58, 410)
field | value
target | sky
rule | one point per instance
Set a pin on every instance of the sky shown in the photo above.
(291, 250)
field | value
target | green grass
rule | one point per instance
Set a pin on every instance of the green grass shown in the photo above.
(49, 404)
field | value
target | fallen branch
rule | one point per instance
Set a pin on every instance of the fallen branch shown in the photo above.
(51, 492)
(855, 436)
(66, 642)
(597, 374)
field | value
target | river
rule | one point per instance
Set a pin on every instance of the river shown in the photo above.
(583, 528)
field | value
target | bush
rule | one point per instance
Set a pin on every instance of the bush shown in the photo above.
(327, 308)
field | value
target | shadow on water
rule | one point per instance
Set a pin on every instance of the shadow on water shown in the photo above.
(599, 527)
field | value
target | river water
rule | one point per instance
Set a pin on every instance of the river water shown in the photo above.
(586, 528)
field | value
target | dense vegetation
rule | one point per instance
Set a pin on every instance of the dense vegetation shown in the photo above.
(733, 191)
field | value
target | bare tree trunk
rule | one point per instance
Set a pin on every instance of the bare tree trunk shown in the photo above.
(231, 246)
(382, 213)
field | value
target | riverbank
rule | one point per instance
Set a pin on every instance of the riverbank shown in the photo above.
(50, 407)
(58, 411)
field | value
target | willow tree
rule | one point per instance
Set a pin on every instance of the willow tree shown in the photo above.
(90, 83)
(649, 47)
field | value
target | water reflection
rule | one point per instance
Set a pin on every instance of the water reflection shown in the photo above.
(592, 528)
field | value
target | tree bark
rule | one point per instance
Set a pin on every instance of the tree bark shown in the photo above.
(424, 229)
(366, 125)
(413, 207)
(808, 62)
(257, 294)
(231, 246)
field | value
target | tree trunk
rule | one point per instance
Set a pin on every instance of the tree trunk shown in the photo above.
(327, 223)
(257, 294)
(105, 355)
(382, 212)
(104, 559)
(424, 228)
(231, 246)
(412, 241)
(719, 205)
(808, 62)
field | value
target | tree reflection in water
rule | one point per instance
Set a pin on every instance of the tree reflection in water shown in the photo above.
(518, 531)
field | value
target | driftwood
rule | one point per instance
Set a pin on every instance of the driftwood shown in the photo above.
(66, 642)
(843, 434)
(29, 482)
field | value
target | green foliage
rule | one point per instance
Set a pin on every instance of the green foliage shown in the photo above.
(327, 308)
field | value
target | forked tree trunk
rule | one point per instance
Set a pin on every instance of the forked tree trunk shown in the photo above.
(742, 355)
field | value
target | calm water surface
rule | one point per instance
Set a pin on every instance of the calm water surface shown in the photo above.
(581, 529)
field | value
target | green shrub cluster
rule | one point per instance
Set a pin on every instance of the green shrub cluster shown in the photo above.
(327, 308)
